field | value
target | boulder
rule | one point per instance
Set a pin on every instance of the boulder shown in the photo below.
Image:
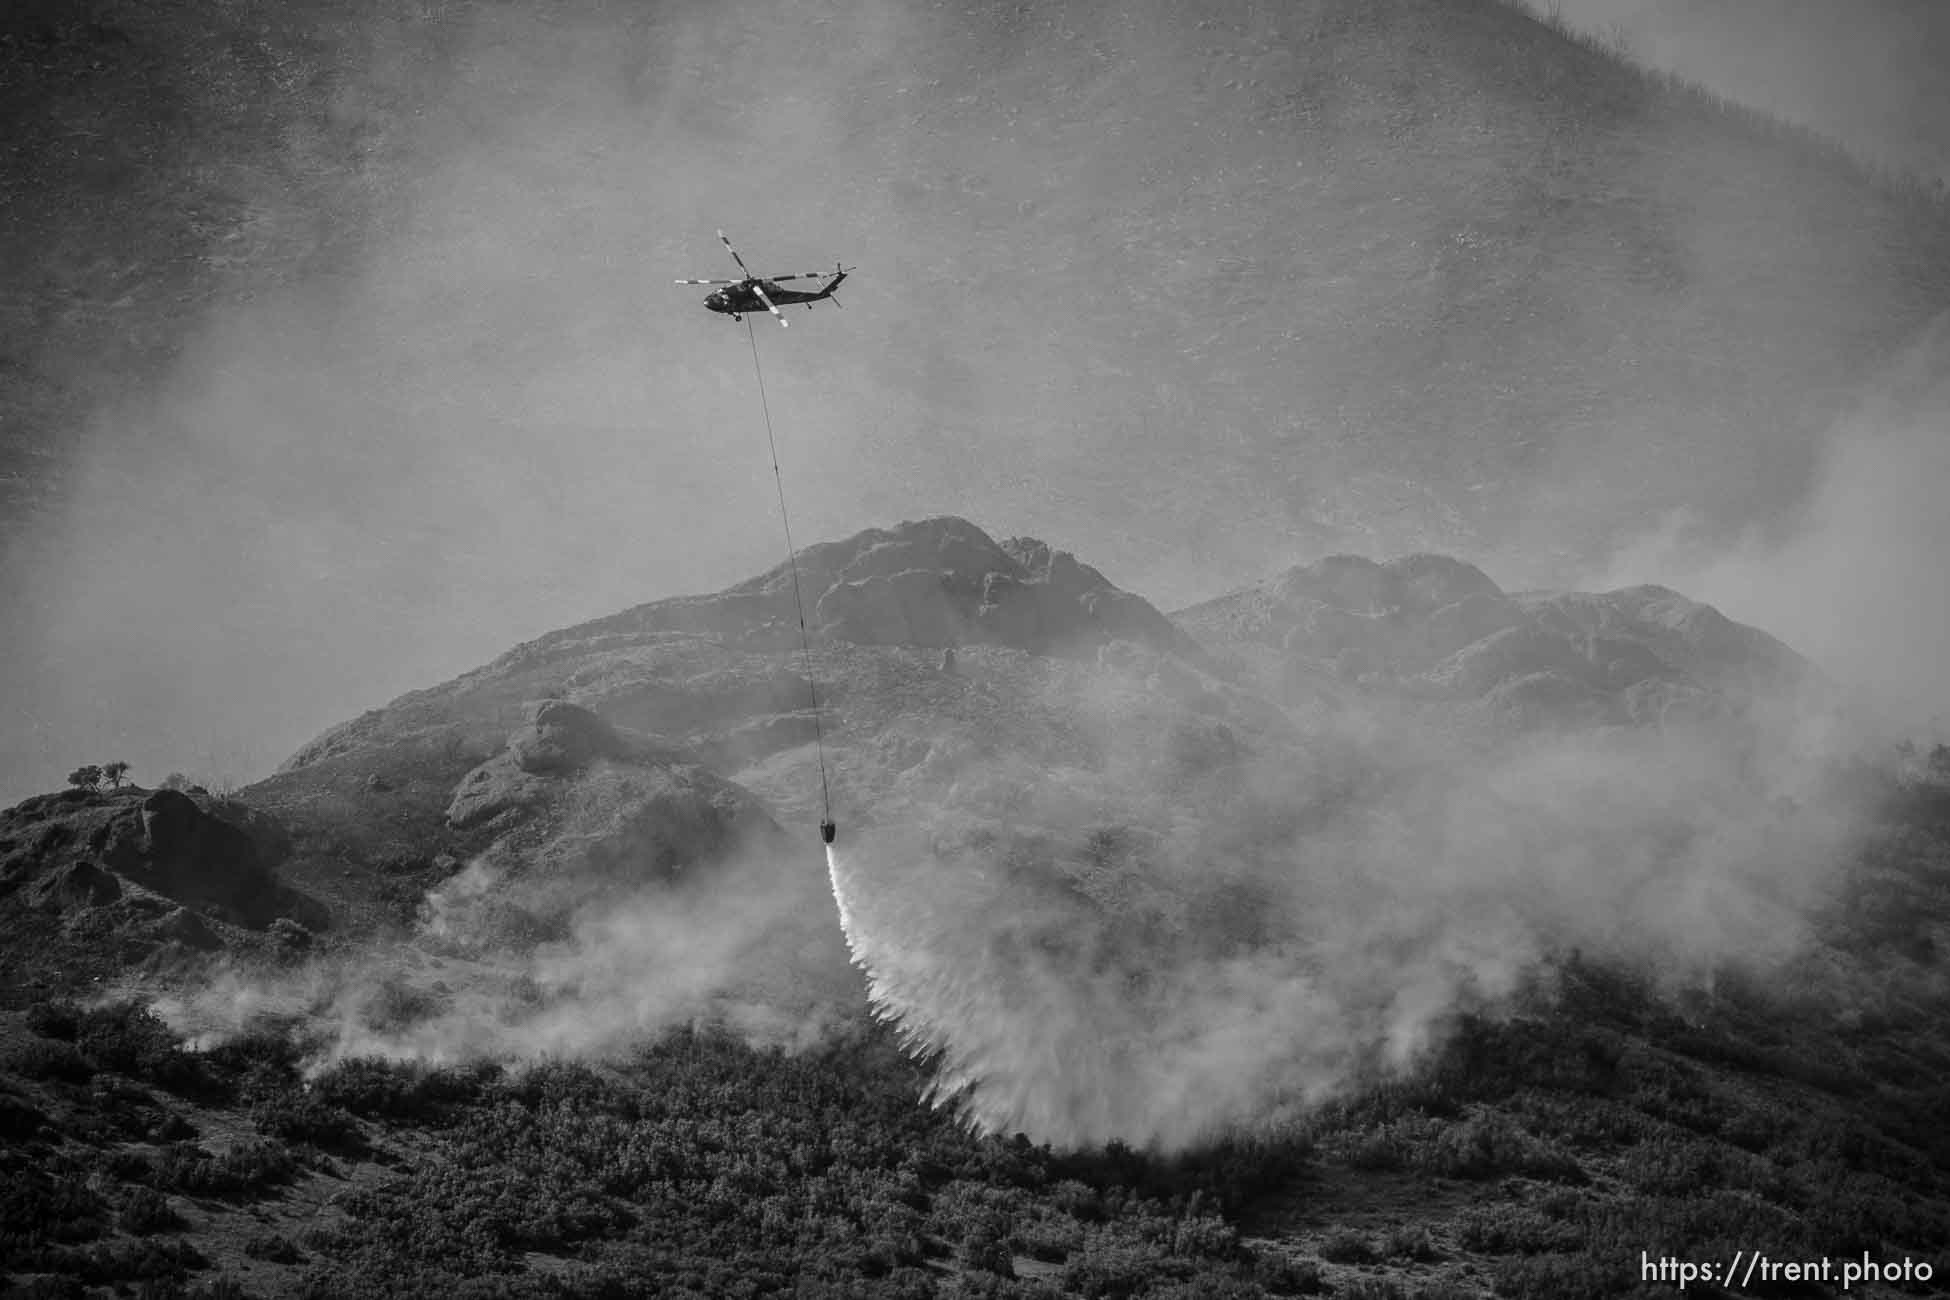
(910, 607)
(561, 737)
(1431, 582)
(187, 928)
(1547, 700)
(1459, 625)
(79, 884)
(1512, 653)
(495, 787)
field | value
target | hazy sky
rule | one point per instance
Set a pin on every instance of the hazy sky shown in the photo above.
(505, 418)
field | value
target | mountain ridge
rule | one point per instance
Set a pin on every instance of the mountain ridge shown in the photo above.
(501, 754)
(1345, 951)
(1508, 300)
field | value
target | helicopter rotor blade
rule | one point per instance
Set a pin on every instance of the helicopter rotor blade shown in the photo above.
(767, 301)
(803, 275)
(734, 254)
(707, 282)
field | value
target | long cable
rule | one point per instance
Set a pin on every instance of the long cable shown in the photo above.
(792, 558)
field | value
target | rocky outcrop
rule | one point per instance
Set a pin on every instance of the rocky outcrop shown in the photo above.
(932, 582)
(943, 582)
(100, 879)
(1432, 627)
(78, 884)
(613, 797)
(559, 740)
(562, 737)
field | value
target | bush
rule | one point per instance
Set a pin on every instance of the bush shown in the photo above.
(148, 1211)
(302, 1117)
(38, 1210)
(51, 1059)
(19, 1119)
(175, 1128)
(1346, 1246)
(1284, 1275)
(983, 1251)
(1557, 1277)
(252, 1167)
(57, 1018)
(1372, 1288)
(1410, 1241)
(1513, 1230)
(273, 1248)
(47, 1287)
(271, 1048)
(374, 1088)
(129, 1038)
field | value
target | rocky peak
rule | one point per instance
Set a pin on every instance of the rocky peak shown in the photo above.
(931, 583)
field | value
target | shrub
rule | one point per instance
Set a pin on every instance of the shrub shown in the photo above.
(1513, 1230)
(1346, 1246)
(1410, 1241)
(258, 1065)
(55, 1018)
(175, 1128)
(46, 1287)
(37, 1210)
(129, 1038)
(274, 1248)
(1556, 1277)
(148, 1211)
(251, 1167)
(373, 1088)
(19, 1119)
(1284, 1275)
(983, 1251)
(1372, 1288)
(302, 1117)
(51, 1059)
(1050, 1241)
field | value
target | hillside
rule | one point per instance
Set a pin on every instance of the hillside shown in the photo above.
(1428, 981)
(1644, 276)
(1334, 276)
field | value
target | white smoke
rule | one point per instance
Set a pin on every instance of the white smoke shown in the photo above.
(1857, 583)
(498, 968)
(1080, 1008)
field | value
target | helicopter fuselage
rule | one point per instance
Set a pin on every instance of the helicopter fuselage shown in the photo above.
(737, 299)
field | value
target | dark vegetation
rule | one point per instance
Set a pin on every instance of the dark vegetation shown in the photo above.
(1594, 1121)
(716, 1169)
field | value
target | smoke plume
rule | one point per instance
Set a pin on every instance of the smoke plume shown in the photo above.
(1856, 581)
(505, 965)
(1084, 980)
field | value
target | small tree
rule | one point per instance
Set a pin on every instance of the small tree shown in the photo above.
(114, 772)
(86, 778)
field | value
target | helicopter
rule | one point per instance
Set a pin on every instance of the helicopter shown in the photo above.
(753, 292)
